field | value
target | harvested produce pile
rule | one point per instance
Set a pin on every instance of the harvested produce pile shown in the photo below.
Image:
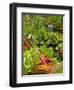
(42, 47)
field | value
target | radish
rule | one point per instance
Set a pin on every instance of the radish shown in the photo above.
(44, 60)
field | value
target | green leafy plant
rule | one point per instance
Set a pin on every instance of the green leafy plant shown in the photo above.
(31, 59)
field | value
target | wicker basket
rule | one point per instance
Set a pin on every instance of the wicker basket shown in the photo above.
(48, 68)
(44, 69)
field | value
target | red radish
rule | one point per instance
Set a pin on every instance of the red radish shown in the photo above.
(44, 60)
(48, 60)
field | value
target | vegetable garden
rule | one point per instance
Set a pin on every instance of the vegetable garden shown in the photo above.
(42, 44)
